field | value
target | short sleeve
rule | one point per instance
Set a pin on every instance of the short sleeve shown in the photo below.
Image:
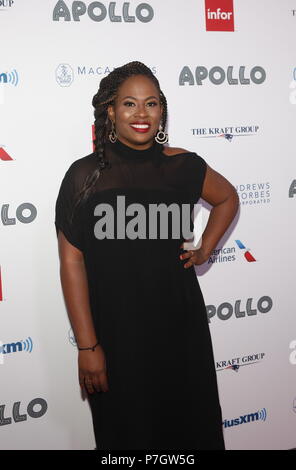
(67, 218)
(196, 169)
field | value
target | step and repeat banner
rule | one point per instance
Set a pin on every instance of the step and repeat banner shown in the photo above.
(228, 70)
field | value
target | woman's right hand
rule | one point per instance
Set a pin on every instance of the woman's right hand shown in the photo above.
(92, 371)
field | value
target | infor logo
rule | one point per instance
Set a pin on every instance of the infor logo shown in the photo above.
(219, 15)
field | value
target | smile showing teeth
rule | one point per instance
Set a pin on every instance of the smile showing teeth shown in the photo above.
(140, 126)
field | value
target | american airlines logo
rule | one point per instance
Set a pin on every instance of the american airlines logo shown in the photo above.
(4, 156)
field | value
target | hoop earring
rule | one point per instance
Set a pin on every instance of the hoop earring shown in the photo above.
(112, 134)
(161, 137)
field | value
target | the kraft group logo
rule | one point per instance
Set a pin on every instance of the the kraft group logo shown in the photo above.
(235, 363)
(4, 156)
(259, 415)
(226, 310)
(227, 133)
(99, 11)
(6, 4)
(218, 75)
(219, 15)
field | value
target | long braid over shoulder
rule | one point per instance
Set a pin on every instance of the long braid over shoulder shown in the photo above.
(102, 99)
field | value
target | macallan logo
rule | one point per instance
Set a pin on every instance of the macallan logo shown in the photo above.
(219, 15)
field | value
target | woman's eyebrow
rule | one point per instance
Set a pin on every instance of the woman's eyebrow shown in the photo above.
(149, 97)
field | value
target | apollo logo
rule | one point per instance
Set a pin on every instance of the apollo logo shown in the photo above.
(20, 214)
(219, 15)
(217, 75)
(226, 309)
(292, 189)
(98, 11)
(17, 416)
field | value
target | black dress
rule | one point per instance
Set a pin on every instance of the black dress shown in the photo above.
(148, 310)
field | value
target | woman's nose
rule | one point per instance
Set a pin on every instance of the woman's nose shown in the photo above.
(141, 110)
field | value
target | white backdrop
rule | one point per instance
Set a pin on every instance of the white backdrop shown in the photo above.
(49, 72)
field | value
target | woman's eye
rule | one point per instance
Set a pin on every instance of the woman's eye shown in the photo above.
(128, 103)
(154, 103)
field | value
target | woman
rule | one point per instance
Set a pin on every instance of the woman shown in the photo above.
(145, 355)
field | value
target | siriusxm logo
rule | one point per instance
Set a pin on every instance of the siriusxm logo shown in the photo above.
(10, 78)
(27, 218)
(19, 346)
(225, 310)
(217, 75)
(97, 11)
(237, 362)
(244, 419)
(227, 133)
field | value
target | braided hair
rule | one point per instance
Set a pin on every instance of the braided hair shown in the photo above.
(102, 99)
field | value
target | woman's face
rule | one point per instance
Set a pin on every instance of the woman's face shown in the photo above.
(137, 112)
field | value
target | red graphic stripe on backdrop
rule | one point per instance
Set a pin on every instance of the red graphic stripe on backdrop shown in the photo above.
(4, 155)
